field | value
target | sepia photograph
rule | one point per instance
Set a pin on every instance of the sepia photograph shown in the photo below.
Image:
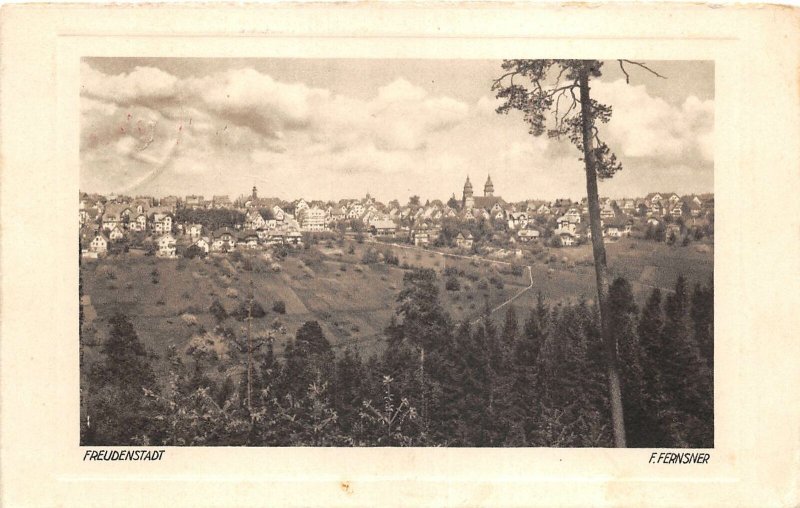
(364, 252)
(399, 254)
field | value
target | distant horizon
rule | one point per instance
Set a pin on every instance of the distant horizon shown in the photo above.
(403, 201)
(336, 128)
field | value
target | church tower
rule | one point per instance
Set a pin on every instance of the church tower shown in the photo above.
(468, 202)
(255, 193)
(488, 189)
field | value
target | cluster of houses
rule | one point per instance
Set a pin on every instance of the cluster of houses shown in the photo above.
(618, 218)
(269, 222)
(104, 223)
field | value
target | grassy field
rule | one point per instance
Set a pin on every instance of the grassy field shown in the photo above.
(169, 300)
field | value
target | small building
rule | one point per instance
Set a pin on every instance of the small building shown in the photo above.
(420, 236)
(567, 223)
(383, 227)
(166, 246)
(99, 244)
(203, 244)
(465, 241)
(162, 223)
(195, 230)
(567, 239)
(528, 235)
(223, 240)
(254, 220)
(275, 238)
(613, 231)
(116, 234)
(248, 239)
(294, 238)
(517, 220)
(139, 223)
(312, 219)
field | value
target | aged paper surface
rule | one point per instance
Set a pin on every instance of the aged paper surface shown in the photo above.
(756, 152)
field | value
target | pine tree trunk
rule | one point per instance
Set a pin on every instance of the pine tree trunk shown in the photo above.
(600, 266)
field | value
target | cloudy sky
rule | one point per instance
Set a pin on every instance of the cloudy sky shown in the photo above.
(330, 129)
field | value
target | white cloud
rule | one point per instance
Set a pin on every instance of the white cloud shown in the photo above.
(216, 133)
(256, 100)
(647, 126)
(143, 83)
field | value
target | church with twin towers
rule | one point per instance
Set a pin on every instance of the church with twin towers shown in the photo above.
(470, 201)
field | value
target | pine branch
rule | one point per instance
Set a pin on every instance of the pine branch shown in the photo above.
(639, 64)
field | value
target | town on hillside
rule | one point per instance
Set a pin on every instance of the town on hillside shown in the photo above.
(374, 257)
(172, 226)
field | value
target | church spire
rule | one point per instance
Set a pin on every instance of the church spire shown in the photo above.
(467, 201)
(488, 189)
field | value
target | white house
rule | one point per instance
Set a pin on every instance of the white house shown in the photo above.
(116, 234)
(203, 244)
(568, 224)
(614, 231)
(567, 238)
(355, 211)
(573, 215)
(294, 237)
(162, 223)
(195, 230)
(139, 223)
(166, 246)
(383, 227)
(421, 236)
(300, 205)
(312, 219)
(223, 240)
(99, 244)
(110, 221)
(465, 241)
(528, 235)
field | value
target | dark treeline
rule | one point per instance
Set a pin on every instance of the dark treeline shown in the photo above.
(534, 379)
(210, 219)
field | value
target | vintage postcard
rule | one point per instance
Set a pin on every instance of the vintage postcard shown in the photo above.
(413, 248)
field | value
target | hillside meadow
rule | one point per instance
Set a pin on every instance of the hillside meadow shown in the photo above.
(351, 290)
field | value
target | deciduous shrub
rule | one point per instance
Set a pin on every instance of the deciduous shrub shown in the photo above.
(218, 311)
(452, 284)
(370, 256)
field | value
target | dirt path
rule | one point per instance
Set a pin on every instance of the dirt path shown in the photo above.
(519, 293)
